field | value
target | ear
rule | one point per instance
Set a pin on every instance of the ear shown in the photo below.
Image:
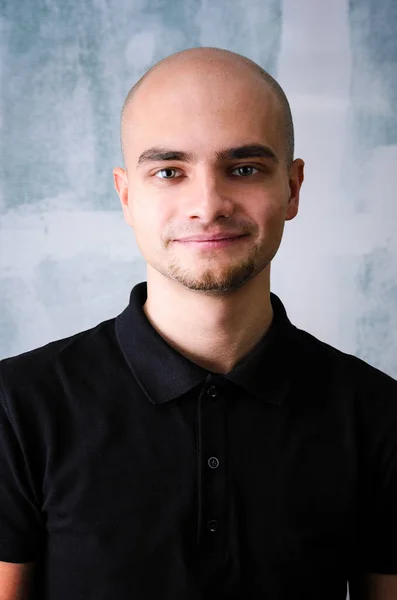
(121, 185)
(296, 177)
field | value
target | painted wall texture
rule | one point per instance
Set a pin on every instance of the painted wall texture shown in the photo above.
(68, 261)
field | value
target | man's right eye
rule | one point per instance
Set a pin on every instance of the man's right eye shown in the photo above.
(167, 173)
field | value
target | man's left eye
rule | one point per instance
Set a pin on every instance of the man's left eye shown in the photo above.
(245, 171)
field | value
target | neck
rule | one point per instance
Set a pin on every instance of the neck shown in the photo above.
(215, 332)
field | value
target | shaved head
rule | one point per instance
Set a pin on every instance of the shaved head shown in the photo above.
(230, 66)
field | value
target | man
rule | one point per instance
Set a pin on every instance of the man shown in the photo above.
(199, 445)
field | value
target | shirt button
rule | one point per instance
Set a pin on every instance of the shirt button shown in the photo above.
(213, 526)
(213, 462)
(212, 391)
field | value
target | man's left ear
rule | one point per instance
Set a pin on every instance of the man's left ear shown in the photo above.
(296, 177)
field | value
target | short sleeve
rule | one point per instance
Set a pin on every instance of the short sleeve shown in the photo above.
(21, 529)
(380, 525)
(378, 518)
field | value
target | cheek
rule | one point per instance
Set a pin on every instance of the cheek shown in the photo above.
(149, 222)
(272, 214)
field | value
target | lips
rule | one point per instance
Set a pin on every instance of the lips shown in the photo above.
(211, 238)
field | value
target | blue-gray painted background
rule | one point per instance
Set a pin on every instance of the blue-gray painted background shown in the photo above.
(68, 261)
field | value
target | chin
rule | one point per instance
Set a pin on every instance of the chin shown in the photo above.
(215, 282)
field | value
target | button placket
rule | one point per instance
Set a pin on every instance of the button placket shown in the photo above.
(213, 471)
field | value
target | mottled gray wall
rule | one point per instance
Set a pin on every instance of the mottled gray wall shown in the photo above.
(68, 261)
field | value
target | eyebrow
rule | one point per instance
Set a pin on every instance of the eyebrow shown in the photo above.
(247, 151)
(157, 154)
(160, 154)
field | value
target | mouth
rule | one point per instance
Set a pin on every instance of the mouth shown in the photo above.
(213, 242)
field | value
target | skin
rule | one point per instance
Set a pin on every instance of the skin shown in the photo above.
(16, 580)
(213, 305)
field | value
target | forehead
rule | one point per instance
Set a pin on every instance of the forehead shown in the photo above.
(201, 112)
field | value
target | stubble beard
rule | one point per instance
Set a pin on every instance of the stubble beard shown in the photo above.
(219, 281)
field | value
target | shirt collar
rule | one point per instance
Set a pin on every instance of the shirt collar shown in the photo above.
(164, 374)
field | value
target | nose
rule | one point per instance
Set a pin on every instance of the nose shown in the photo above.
(209, 198)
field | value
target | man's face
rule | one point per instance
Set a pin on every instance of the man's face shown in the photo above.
(205, 156)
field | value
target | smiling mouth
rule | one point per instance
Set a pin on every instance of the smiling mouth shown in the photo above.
(213, 243)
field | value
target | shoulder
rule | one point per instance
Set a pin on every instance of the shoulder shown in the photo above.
(351, 392)
(346, 370)
(43, 368)
(46, 397)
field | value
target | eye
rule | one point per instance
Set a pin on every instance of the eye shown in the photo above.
(167, 173)
(245, 171)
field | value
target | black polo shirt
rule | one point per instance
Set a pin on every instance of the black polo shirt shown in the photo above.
(127, 471)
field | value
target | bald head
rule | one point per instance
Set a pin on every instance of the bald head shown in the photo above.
(229, 66)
